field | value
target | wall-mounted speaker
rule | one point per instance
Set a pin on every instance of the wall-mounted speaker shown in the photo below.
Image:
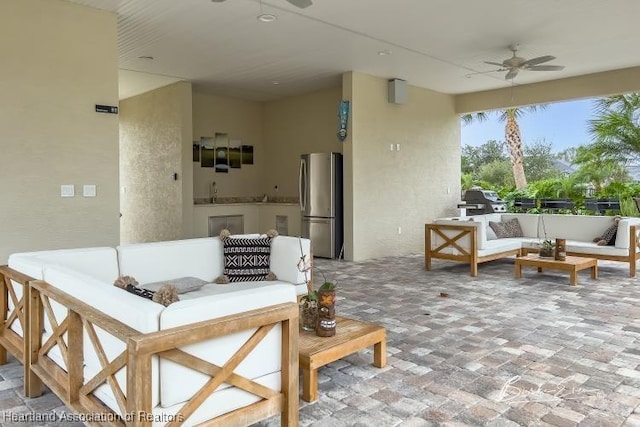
(397, 91)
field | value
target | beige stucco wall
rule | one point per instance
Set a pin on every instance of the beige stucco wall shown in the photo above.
(293, 126)
(241, 120)
(153, 142)
(571, 88)
(405, 188)
(58, 60)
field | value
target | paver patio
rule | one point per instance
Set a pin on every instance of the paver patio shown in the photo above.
(573, 352)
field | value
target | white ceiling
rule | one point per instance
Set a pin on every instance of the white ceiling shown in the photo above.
(435, 44)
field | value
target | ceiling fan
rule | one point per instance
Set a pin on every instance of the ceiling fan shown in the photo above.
(302, 4)
(516, 63)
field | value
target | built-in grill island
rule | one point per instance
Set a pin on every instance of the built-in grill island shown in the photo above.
(479, 201)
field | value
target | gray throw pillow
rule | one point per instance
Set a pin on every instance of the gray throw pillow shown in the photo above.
(491, 235)
(182, 284)
(506, 229)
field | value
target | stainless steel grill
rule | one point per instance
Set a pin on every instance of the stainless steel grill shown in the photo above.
(483, 201)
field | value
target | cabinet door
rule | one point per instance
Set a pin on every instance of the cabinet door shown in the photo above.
(282, 225)
(233, 223)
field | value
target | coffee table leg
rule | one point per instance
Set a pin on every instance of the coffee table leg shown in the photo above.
(539, 269)
(573, 278)
(380, 354)
(518, 271)
(310, 385)
(594, 272)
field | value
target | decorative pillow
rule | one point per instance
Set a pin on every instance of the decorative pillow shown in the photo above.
(491, 235)
(505, 229)
(165, 295)
(144, 293)
(247, 260)
(182, 284)
(609, 236)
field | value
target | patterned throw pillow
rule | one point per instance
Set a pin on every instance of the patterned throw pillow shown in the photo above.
(610, 234)
(247, 260)
(505, 229)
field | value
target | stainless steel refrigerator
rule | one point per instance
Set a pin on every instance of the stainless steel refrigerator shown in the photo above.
(320, 192)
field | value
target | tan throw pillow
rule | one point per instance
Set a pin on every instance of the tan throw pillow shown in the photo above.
(506, 229)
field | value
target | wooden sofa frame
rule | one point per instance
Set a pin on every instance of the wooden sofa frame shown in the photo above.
(9, 340)
(75, 391)
(465, 255)
(471, 255)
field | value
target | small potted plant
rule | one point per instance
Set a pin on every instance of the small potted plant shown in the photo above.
(546, 249)
(326, 324)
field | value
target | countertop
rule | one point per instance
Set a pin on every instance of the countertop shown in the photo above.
(256, 200)
(211, 205)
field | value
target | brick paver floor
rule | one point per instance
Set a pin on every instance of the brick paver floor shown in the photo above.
(496, 351)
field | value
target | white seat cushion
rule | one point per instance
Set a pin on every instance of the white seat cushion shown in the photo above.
(499, 245)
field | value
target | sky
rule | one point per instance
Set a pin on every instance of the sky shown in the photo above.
(563, 124)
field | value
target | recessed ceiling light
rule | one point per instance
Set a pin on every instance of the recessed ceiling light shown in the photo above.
(146, 57)
(266, 17)
(384, 52)
(275, 82)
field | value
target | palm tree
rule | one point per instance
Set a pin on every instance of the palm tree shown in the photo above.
(616, 130)
(511, 135)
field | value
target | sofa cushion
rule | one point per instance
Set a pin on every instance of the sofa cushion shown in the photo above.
(100, 263)
(509, 228)
(285, 254)
(246, 259)
(265, 359)
(623, 237)
(499, 245)
(157, 261)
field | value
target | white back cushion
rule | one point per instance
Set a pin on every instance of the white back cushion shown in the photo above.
(265, 359)
(285, 254)
(99, 263)
(154, 262)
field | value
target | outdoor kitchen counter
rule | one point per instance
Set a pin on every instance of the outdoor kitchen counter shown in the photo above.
(257, 217)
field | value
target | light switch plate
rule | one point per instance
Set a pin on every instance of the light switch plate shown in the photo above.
(67, 190)
(89, 190)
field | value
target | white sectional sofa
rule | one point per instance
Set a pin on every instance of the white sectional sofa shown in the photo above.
(464, 239)
(223, 353)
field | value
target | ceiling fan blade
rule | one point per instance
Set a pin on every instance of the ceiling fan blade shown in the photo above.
(546, 68)
(485, 72)
(301, 3)
(494, 63)
(513, 72)
(538, 60)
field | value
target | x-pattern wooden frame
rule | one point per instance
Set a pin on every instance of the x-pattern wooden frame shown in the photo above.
(9, 339)
(465, 255)
(75, 391)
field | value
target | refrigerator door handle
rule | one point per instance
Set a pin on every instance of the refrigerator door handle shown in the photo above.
(302, 182)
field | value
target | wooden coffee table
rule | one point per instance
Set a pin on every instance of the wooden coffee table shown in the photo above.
(351, 336)
(572, 264)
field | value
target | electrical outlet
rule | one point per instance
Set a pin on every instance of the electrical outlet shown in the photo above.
(89, 190)
(390, 147)
(397, 147)
(67, 190)
(399, 230)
